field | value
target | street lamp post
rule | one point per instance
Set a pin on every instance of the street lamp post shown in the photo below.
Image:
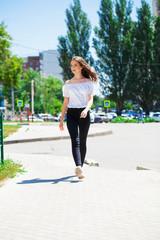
(12, 101)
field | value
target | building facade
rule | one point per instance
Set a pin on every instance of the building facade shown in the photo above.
(50, 64)
(32, 62)
(46, 63)
(156, 7)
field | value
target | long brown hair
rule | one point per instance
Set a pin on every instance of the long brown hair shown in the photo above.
(86, 70)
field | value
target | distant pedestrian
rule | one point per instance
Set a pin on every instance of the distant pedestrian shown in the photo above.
(140, 114)
(78, 99)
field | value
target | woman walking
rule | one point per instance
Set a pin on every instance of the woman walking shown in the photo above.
(78, 99)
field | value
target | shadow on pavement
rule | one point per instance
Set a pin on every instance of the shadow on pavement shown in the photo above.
(53, 181)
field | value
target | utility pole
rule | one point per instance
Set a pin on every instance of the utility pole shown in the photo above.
(32, 97)
(12, 101)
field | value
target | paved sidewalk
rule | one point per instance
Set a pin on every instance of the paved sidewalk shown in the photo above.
(48, 132)
(50, 203)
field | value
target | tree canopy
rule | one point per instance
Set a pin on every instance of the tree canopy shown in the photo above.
(10, 66)
(128, 54)
(5, 43)
(76, 42)
(113, 46)
(144, 84)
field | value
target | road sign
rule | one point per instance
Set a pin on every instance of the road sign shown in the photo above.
(19, 103)
(106, 103)
(26, 105)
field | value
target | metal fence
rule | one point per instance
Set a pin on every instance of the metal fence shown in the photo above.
(1, 138)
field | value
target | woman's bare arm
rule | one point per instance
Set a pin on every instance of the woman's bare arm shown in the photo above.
(64, 109)
(89, 105)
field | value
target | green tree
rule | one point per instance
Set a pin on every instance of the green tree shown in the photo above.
(113, 45)
(53, 95)
(47, 92)
(11, 71)
(76, 43)
(97, 102)
(23, 90)
(143, 85)
(156, 54)
(128, 106)
(5, 43)
(64, 58)
(10, 66)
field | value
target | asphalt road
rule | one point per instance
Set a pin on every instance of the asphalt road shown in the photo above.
(129, 146)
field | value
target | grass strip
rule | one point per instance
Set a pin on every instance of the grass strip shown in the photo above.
(9, 170)
(9, 129)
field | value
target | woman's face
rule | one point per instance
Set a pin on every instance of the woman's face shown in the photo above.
(75, 67)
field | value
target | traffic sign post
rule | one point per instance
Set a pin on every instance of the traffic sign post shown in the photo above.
(20, 104)
(28, 112)
(107, 104)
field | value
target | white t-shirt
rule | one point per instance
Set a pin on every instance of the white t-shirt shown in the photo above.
(78, 93)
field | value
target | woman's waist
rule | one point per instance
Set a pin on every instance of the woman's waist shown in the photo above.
(76, 109)
(77, 105)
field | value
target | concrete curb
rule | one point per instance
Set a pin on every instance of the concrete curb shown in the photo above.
(6, 142)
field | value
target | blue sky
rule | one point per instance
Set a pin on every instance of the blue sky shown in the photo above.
(36, 24)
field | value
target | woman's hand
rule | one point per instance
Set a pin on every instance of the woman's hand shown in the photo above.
(83, 114)
(61, 126)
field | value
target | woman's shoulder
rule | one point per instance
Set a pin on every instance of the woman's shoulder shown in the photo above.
(70, 81)
(67, 82)
(88, 80)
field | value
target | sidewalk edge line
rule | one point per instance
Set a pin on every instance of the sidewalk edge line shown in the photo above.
(52, 138)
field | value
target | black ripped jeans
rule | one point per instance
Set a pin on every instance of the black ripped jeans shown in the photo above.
(78, 130)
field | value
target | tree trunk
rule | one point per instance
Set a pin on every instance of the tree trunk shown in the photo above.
(119, 107)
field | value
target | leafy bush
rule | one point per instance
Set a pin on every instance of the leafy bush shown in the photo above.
(149, 120)
(122, 120)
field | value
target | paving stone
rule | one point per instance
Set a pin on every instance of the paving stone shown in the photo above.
(49, 202)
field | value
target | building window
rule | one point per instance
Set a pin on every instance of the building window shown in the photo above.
(37, 63)
(24, 69)
(37, 68)
(31, 64)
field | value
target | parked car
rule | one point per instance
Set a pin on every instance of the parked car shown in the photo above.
(113, 114)
(59, 117)
(127, 116)
(151, 114)
(105, 117)
(97, 118)
(156, 116)
(34, 119)
(46, 117)
(91, 116)
(110, 116)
